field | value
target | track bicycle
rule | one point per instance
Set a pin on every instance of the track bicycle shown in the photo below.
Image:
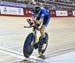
(29, 44)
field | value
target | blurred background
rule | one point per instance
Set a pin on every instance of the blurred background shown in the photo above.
(51, 4)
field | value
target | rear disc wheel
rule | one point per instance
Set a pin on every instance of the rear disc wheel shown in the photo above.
(42, 48)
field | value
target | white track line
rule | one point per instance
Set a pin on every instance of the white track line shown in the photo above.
(20, 55)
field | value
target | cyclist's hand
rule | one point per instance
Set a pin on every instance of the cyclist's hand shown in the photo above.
(36, 22)
(32, 24)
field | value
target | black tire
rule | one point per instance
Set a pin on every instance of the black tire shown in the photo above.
(28, 48)
(41, 52)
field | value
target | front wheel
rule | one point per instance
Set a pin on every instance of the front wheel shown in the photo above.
(41, 50)
(28, 45)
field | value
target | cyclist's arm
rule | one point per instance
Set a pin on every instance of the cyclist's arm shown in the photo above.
(33, 16)
(37, 20)
(39, 16)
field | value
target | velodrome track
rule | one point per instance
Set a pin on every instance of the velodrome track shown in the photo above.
(12, 35)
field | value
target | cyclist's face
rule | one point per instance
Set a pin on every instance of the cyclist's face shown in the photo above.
(41, 4)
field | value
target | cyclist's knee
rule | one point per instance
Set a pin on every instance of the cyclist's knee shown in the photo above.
(42, 33)
(42, 28)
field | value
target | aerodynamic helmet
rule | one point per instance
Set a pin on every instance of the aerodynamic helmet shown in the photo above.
(36, 10)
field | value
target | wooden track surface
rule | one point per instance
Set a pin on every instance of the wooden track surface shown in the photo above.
(12, 35)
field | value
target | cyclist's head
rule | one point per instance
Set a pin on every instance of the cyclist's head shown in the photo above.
(36, 10)
(41, 4)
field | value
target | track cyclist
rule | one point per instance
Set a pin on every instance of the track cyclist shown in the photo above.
(41, 15)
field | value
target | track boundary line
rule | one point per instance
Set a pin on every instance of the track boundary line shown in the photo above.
(20, 55)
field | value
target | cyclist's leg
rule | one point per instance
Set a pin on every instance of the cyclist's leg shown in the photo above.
(35, 35)
(35, 44)
(42, 29)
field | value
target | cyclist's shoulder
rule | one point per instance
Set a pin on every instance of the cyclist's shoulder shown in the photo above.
(43, 9)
